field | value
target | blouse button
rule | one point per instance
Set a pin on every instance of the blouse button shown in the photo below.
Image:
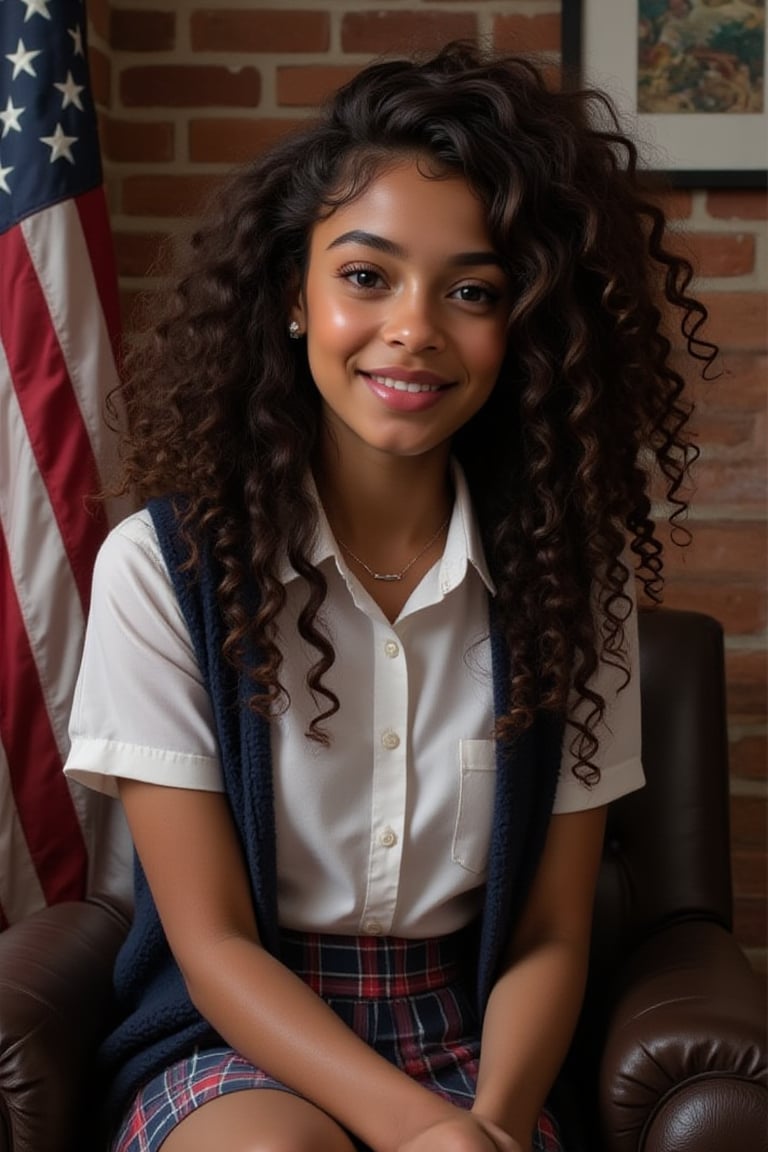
(390, 740)
(372, 928)
(392, 649)
(388, 838)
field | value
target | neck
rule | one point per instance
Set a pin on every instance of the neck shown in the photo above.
(385, 502)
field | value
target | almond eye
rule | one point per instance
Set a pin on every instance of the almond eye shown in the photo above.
(361, 277)
(476, 294)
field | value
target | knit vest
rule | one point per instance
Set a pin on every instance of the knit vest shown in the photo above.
(158, 1022)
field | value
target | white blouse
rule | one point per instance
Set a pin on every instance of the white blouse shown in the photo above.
(386, 830)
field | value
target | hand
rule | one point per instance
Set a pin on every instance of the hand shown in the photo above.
(464, 1132)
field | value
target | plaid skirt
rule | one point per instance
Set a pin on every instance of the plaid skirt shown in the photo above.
(403, 997)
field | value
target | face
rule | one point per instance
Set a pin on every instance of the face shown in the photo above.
(404, 306)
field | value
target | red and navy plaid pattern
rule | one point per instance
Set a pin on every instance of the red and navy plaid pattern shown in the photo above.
(403, 997)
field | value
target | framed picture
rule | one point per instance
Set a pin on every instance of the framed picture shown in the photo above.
(688, 78)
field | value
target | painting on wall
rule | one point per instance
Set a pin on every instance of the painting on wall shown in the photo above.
(687, 77)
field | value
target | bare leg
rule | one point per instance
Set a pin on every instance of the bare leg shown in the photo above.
(258, 1120)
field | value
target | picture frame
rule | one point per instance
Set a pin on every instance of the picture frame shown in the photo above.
(691, 148)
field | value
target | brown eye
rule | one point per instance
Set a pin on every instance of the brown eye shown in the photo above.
(475, 294)
(362, 277)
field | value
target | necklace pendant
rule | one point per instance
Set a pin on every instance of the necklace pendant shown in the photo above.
(389, 577)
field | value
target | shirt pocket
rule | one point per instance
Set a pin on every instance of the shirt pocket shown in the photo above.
(474, 815)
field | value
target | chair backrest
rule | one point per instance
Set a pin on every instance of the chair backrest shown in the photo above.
(667, 847)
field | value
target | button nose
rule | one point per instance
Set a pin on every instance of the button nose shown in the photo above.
(412, 325)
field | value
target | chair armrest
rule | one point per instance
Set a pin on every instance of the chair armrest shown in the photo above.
(55, 994)
(684, 1065)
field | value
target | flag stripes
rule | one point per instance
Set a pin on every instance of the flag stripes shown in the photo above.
(59, 332)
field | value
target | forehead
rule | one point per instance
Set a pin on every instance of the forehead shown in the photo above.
(411, 203)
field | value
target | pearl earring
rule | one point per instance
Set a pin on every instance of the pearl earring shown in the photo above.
(294, 330)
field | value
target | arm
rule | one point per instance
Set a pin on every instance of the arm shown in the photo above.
(534, 1005)
(187, 845)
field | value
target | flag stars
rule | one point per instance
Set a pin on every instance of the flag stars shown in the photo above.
(22, 59)
(77, 39)
(70, 93)
(59, 145)
(10, 118)
(36, 8)
(3, 182)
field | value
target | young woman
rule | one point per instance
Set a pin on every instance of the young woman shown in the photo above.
(363, 670)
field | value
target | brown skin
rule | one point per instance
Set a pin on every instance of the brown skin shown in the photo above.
(187, 843)
(383, 478)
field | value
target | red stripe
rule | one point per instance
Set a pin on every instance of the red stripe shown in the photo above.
(55, 426)
(94, 220)
(47, 814)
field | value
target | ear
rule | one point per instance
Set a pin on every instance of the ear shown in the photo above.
(297, 310)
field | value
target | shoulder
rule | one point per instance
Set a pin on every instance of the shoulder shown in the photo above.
(130, 569)
(132, 541)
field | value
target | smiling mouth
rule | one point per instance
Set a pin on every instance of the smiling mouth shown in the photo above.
(403, 385)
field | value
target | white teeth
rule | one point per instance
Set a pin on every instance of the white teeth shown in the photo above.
(404, 386)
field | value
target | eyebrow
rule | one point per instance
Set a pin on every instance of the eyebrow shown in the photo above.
(381, 244)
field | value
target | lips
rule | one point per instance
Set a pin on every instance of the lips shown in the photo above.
(407, 380)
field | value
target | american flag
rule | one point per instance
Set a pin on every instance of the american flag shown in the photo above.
(58, 332)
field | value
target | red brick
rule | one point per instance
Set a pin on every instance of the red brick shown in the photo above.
(749, 757)
(746, 380)
(149, 141)
(717, 254)
(738, 204)
(266, 30)
(98, 17)
(311, 85)
(750, 921)
(167, 195)
(737, 319)
(739, 394)
(745, 676)
(741, 385)
(676, 203)
(140, 253)
(750, 874)
(217, 140)
(728, 429)
(402, 31)
(101, 76)
(739, 482)
(527, 33)
(190, 86)
(735, 548)
(749, 823)
(742, 609)
(140, 30)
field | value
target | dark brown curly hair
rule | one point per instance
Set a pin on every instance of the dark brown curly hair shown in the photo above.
(222, 410)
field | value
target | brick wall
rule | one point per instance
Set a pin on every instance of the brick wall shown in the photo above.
(186, 91)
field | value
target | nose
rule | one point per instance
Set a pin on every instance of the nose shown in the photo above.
(412, 323)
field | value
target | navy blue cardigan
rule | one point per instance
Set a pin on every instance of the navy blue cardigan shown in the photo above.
(158, 1024)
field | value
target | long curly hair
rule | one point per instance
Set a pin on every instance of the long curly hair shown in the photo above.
(222, 410)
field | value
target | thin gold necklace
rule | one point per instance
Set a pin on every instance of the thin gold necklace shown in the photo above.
(391, 576)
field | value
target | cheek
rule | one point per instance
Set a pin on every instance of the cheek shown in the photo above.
(333, 324)
(488, 353)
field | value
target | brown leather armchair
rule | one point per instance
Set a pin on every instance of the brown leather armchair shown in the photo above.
(670, 1053)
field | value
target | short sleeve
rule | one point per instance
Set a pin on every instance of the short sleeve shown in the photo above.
(619, 756)
(140, 709)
